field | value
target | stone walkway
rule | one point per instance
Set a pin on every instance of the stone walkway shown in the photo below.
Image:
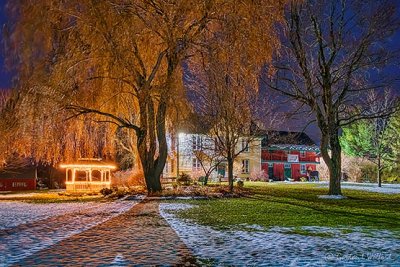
(139, 237)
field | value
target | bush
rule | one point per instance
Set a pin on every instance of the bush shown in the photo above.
(184, 179)
(118, 193)
(128, 178)
(106, 191)
(240, 183)
(303, 179)
(259, 175)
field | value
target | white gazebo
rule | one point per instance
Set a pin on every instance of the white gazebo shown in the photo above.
(88, 175)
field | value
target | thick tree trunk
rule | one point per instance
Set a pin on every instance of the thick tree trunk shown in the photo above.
(333, 161)
(152, 124)
(230, 173)
(335, 169)
(153, 183)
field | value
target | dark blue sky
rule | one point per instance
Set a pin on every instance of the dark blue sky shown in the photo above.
(5, 77)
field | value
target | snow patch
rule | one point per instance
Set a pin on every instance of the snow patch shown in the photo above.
(331, 197)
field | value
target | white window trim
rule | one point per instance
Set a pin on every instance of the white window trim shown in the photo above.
(196, 164)
(244, 143)
(301, 168)
(245, 166)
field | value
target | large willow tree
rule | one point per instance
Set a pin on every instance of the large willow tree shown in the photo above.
(121, 61)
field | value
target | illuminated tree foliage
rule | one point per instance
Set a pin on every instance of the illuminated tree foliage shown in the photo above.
(120, 62)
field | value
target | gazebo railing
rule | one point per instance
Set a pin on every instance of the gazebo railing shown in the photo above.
(86, 186)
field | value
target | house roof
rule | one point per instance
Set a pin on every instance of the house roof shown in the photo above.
(293, 138)
(285, 140)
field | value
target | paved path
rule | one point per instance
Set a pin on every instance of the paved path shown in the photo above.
(138, 237)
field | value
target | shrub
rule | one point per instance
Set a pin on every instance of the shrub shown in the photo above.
(106, 191)
(303, 179)
(128, 178)
(184, 179)
(259, 175)
(240, 183)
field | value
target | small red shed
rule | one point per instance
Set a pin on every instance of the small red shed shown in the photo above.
(18, 179)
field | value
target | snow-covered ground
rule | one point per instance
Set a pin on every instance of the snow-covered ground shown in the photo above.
(16, 213)
(27, 228)
(277, 246)
(370, 187)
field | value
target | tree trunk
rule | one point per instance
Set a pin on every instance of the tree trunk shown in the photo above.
(230, 173)
(205, 181)
(147, 142)
(333, 161)
(153, 183)
(379, 174)
(335, 168)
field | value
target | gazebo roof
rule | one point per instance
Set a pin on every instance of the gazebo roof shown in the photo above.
(89, 163)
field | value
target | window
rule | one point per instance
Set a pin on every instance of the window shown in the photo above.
(197, 142)
(245, 166)
(270, 165)
(245, 145)
(302, 168)
(287, 165)
(302, 154)
(166, 168)
(196, 163)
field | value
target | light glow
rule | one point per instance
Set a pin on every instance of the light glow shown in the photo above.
(77, 165)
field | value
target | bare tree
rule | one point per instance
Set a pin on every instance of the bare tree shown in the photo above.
(225, 101)
(208, 156)
(327, 64)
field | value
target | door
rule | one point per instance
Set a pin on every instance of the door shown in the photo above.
(288, 171)
(221, 170)
(270, 171)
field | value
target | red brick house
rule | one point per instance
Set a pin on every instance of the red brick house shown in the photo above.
(288, 155)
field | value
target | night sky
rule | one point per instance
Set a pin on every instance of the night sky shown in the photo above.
(6, 77)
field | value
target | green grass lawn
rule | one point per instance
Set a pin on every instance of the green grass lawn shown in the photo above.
(297, 205)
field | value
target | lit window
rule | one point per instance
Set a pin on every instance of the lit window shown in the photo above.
(245, 166)
(197, 142)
